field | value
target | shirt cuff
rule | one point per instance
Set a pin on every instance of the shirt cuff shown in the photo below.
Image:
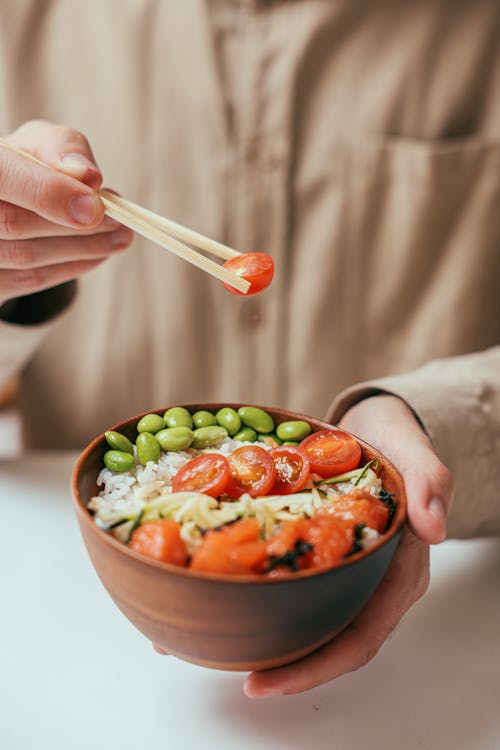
(457, 401)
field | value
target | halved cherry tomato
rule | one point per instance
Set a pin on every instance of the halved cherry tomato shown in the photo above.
(331, 452)
(251, 470)
(160, 540)
(235, 548)
(292, 470)
(360, 507)
(258, 268)
(208, 473)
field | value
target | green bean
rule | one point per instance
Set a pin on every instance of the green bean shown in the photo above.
(229, 419)
(178, 416)
(119, 442)
(246, 435)
(148, 448)
(258, 419)
(296, 430)
(204, 419)
(207, 437)
(151, 423)
(116, 460)
(175, 438)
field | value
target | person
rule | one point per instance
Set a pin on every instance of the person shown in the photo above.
(359, 144)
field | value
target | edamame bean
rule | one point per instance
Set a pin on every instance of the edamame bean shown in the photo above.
(270, 439)
(175, 438)
(229, 419)
(290, 442)
(296, 430)
(115, 460)
(148, 448)
(178, 416)
(151, 423)
(204, 419)
(207, 437)
(246, 435)
(258, 419)
(119, 442)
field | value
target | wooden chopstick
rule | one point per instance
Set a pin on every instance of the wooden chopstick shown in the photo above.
(171, 227)
(162, 231)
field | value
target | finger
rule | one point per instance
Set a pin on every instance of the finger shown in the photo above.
(429, 491)
(429, 485)
(33, 254)
(47, 192)
(62, 147)
(27, 281)
(159, 650)
(406, 580)
(18, 223)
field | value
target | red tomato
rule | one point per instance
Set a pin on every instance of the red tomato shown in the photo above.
(292, 470)
(331, 452)
(251, 470)
(160, 540)
(208, 473)
(258, 268)
(235, 548)
(361, 507)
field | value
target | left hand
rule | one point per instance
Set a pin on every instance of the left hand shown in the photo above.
(388, 424)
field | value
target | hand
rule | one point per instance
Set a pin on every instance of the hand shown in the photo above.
(388, 424)
(52, 224)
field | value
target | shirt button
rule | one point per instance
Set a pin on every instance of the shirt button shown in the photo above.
(251, 317)
(268, 156)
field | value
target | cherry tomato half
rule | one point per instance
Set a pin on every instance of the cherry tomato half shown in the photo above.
(331, 452)
(251, 470)
(258, 268)
(292, 470)
(208, 473)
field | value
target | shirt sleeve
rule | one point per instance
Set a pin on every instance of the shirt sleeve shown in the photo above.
(457, 401)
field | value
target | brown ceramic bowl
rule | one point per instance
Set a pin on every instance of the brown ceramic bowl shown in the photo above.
(233, 622)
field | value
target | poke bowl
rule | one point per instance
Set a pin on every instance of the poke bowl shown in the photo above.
(234, 536)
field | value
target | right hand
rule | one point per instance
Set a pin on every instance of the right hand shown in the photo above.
(52, 223)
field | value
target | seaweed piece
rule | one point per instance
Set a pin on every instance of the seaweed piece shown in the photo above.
(388, 499)
(290, 558)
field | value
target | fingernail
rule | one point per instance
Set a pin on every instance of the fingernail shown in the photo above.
(120, 238)
(77, 163)
(262, 692)
(84, 209)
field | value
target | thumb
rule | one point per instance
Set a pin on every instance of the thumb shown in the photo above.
(429, 490)
(388, 424)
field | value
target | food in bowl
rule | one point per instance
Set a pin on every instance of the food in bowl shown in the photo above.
(229, 492)
(219, 620)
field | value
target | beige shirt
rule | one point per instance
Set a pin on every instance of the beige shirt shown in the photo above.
(356, 141)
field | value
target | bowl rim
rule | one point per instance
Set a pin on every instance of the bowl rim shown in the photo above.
(85, 517)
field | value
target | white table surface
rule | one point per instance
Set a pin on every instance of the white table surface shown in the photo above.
(75, 675)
